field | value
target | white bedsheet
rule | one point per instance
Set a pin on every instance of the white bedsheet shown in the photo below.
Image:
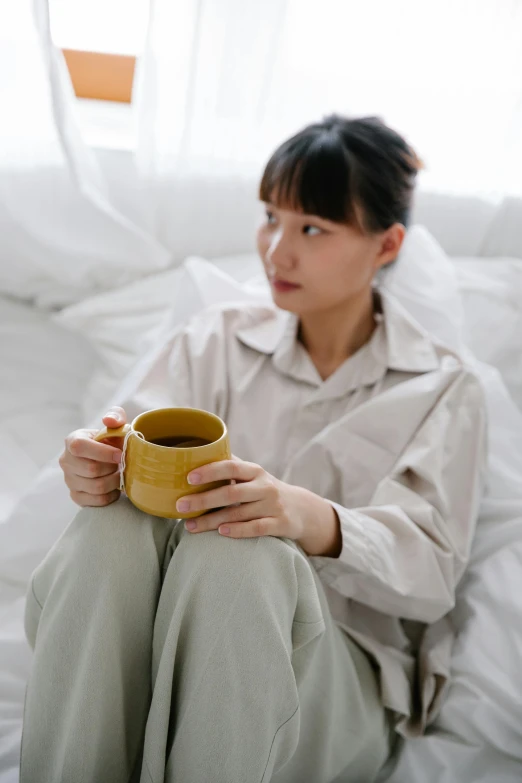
(43, 371)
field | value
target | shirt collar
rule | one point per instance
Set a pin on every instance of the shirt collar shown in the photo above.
(409, 347)
(398, 343)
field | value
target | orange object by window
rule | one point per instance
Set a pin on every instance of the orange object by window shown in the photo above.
(105, 77)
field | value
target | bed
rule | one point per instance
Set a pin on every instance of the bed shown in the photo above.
(62, 369)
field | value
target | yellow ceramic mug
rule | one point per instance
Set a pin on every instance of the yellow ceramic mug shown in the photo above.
(155, 474)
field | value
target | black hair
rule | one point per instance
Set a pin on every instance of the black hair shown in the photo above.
(354, 171)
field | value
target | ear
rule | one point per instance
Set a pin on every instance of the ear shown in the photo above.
(390, 244)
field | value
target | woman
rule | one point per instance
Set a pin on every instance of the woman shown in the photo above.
(300, 627)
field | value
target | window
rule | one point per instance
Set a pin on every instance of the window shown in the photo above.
(101, 40)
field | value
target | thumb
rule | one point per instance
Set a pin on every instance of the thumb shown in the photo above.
(116, 417)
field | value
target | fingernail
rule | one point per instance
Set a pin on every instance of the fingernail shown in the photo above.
(182, 505)
(117, 457)
(194, 478)
(113, 415)
(191, 525)
(224, 530)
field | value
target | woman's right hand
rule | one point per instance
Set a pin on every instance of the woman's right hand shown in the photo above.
(90, 468)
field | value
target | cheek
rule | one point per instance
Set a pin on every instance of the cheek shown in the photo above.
(359, 269)
(343, 272)
(262, 241)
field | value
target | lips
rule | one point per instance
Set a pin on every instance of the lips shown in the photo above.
(284, 285)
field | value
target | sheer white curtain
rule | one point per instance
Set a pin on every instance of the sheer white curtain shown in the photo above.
(60, 236)
(222, 82)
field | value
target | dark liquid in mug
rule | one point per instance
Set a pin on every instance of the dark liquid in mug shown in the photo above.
(180, 441)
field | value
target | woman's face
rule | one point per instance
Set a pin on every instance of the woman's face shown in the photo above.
(329, 264)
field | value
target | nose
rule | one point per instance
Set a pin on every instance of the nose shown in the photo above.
(280, 254)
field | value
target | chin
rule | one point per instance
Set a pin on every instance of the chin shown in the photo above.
(293, 304)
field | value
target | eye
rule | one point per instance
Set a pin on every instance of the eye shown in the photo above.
(308, 230)
(270, 217)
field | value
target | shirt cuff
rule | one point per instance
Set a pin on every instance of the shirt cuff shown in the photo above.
(358, 553)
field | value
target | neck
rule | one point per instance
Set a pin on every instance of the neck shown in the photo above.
(333, 336)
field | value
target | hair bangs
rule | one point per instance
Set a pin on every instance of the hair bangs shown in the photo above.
(311, 174)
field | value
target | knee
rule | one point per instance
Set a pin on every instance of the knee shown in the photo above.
(117, 520)
(105, 536)
(113, 545)
(213, 550)
(276, 569)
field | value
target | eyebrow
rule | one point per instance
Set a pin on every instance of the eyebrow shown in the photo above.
(301, 214)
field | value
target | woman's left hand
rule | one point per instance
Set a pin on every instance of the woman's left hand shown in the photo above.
(256, 505)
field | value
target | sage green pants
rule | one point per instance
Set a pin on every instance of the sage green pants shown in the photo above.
(161, 655)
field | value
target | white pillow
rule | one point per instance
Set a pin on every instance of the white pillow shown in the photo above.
(491, 294)
(460, 224)
(504, 235)
(424, 280)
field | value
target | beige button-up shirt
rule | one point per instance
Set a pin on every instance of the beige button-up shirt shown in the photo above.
(394, 439)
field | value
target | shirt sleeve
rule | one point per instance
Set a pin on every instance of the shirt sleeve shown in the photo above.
(404, 554)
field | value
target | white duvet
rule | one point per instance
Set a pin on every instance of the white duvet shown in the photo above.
(478, 735)
(43, 371)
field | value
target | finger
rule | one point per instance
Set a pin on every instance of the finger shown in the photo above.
(116, 417)
(231, 515)
(222, 496)
(225, 470)
(116, 443)
(97, 486)
(88, 468)
(85, 499)
(265, 526)
(82, 444)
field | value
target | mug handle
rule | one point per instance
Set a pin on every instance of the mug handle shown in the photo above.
(112, 432)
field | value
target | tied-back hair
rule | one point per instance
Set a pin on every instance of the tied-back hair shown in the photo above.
(354, 171)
